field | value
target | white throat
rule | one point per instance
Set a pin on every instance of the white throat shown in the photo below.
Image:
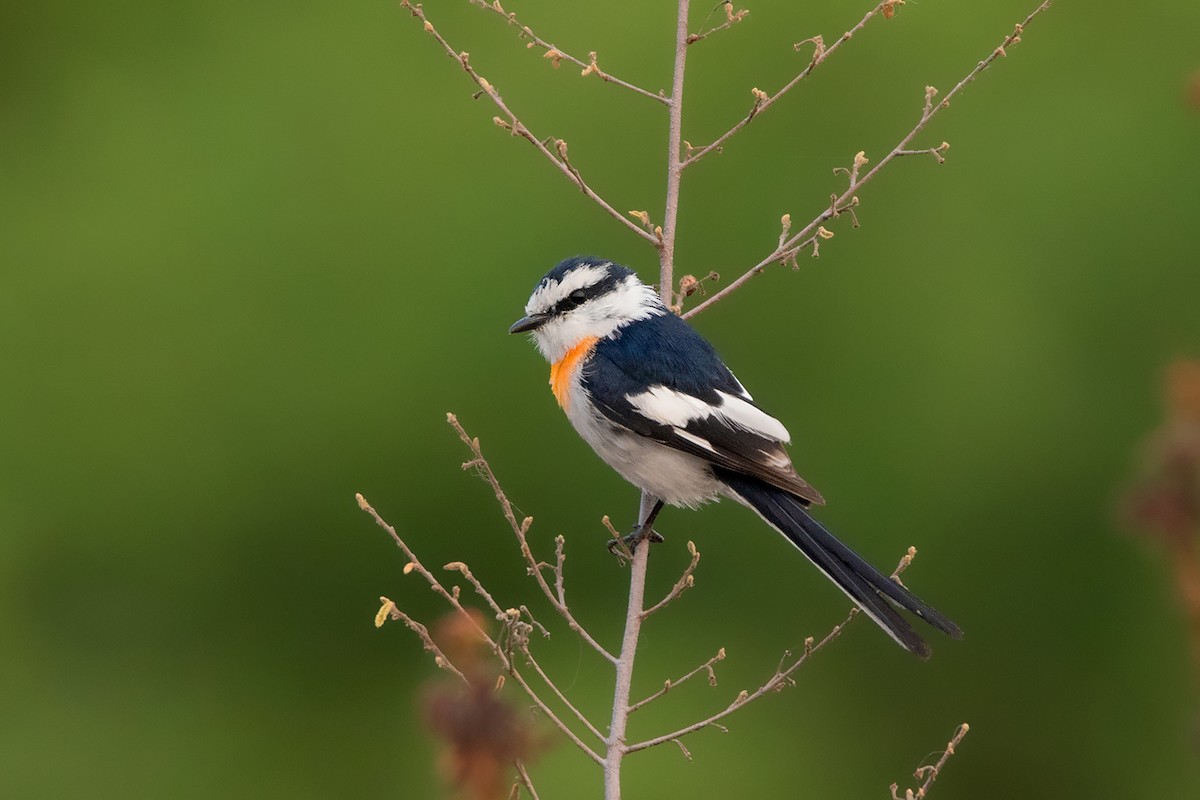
(601, 317)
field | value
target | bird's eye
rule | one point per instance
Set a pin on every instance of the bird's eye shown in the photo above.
(576, 297)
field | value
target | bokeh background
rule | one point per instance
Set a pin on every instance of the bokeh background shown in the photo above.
(253, 253)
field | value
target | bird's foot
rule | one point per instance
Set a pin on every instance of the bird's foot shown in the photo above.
(627, 544)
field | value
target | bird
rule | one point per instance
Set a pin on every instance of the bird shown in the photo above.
(656, 402)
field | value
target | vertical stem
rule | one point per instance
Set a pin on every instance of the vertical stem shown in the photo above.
(615, 744)
(674, 159)
(624, 681)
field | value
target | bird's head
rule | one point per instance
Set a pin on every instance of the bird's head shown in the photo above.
(584, 297)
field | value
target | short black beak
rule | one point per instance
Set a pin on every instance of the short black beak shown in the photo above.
(530, 323)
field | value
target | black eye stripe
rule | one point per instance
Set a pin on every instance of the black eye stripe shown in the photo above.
(582, 295)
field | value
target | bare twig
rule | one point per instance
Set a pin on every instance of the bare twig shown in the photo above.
(938, 152)
(389, 611)
(928, 774)
(460, 567)
(732, 17)
(685, 582)
(763, 101)
(777, 681)
(513, 124)
(526, 781)
(781, 678)
(790, 246)
(668, 685)
(556, 54)
(560, 557)
(414, 565)
(579, 715)
(520, 529)
(539, 627)
(688, 286)
(618, 541)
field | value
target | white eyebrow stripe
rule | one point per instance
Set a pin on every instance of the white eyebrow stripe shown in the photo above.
(671, 407)
(547, 296)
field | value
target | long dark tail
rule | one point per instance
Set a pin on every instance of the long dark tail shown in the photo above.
(869, 588)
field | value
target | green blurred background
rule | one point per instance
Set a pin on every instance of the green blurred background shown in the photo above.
(253, 253)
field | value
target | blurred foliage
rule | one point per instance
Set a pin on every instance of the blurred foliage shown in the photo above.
(252, 253)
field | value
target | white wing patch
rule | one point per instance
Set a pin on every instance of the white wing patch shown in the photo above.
(749, 416)
(675, 408)
(745, 394)
(694, 439)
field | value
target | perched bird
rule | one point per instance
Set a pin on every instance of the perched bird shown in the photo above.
(656, 402)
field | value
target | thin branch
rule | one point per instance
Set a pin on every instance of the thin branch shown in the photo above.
(617, 540)
(668, 685)
(777, 681)
(514, 125)
(560, 557)
(731, 18)
(685, 582)
(520, 529)
(533, 662)
(525, 780)
(790, 246)
(781, 678)
(414, 565)
(930, 773)
(763, 101)
(688, 286)
(545, 709)
(389, 611)
(937, 152)
(524, 609)
(460, 567)
(557, 54)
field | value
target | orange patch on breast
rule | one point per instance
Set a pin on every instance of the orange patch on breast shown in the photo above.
(562, 370)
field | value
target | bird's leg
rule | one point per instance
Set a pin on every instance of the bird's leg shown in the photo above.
(643, 532)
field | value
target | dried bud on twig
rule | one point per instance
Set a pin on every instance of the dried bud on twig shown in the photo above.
(889, 8)
(592, 67)
(818, 47)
